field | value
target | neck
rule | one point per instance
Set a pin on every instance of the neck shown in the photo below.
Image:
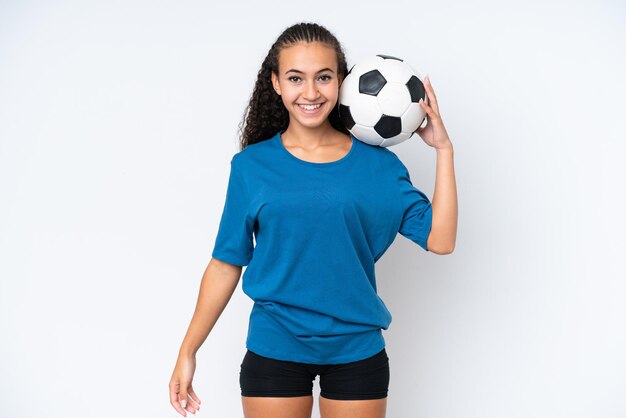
(304, 137)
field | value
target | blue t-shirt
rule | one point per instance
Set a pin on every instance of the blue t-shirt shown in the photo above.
(319, 228)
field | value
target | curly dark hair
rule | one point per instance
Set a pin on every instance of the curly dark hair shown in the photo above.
(266, 114)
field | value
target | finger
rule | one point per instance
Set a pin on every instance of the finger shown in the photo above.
(174, 388)
(191, 405)
(187, 402)
(431, 94)
(183, 396)
(194, 397)
(427, 109)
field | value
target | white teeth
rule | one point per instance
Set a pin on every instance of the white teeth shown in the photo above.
(310, 107)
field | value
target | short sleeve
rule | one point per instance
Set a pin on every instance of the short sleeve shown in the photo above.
(416, 208)
(233, 243)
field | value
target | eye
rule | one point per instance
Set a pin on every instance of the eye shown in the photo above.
(322, 76)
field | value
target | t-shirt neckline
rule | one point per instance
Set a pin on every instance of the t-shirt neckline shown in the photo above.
(279, 142)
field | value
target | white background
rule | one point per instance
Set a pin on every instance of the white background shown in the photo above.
(118, 120)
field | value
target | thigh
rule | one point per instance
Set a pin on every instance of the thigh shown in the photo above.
(275, 388)
(266, 377)
(366, 379)
(371, 408)
(264, 407)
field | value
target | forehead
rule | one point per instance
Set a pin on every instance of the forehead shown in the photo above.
(307, 57)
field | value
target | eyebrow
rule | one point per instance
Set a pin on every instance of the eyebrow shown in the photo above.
(300, 72)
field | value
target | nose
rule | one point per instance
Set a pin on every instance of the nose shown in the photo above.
(311, 92)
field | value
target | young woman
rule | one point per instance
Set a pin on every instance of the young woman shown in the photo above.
(323, 208)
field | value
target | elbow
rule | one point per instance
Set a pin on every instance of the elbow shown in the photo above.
(446, 251)
(439, 248)
(442, 250)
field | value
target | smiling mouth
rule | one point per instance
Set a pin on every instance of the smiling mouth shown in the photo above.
(310, 108)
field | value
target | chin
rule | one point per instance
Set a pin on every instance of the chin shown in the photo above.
(313, 124)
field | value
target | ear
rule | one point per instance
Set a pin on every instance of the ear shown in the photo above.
(275, 83)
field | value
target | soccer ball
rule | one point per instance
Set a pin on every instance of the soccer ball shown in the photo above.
(378, 101)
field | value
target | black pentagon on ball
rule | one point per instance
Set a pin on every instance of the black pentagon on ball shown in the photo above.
(372, 82)
(388, 126)
(389, 57)
(345, 116)
(416, 89)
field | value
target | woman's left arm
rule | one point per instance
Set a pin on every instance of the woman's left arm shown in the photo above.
(442, 237)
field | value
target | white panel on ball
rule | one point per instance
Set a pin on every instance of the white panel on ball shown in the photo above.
(360, 131)
(412, 116)
(396, 139)
(366, 110)
(398, 71)
(394, 99)
(349, 84)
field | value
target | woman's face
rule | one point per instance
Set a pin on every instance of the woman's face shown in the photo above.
(307, 76)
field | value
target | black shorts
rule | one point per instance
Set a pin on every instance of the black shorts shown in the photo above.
(362, 379)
